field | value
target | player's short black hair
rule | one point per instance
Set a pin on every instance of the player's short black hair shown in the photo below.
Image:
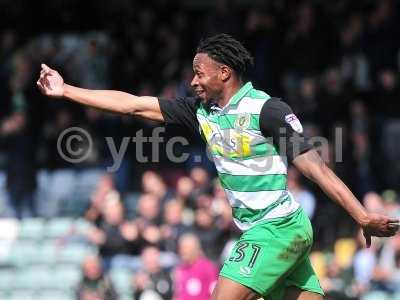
(226, 50)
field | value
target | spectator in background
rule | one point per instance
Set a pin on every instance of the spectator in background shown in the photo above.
(154, 184)
(16, 133)
(98, 198)
(201, 180)
(184, 191)
(387, 266)
(300, 193)
(373, 203)
(115, 236)
(221, 208)
(208, 232)
(305, 102)
(336, 282)
(195, 277)
(364, 263)
(148, 219)
(153, 276)
(172, 227)
(391, 203)
(389, 109)
(148, 210)
(334, 107)
(94, 285)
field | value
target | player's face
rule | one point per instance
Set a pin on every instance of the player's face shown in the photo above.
(207, 82)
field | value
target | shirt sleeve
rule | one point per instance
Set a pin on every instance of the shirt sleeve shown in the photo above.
(181, 112)
(279, 123)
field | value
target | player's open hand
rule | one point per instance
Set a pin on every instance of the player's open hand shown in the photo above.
(379, 225)
(50, 82)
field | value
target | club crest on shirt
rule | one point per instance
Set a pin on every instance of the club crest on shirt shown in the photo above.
(294, 122)
(242, 121)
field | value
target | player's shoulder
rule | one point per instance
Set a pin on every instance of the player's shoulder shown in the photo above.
(276, 104)
(257, 94)
(181, 101)
(270, 102)
(193, 102)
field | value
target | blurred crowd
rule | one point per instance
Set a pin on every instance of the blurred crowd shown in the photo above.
(172, 239)
(336, 63)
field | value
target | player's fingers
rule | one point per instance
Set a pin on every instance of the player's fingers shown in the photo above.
(41, 87)
(39, 82)
(393, 221)
(45, 67)
(367, 240)
(393, 229)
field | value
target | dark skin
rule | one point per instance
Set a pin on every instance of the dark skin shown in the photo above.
(217, 82)
(214, 81)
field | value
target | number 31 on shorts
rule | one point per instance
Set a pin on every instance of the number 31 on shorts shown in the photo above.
(245, 251)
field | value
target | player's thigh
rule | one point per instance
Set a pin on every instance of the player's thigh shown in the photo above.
(303, 278)
(294, 293)
(229, 289)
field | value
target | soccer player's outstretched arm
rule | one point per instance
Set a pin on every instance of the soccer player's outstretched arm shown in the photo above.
(314, 168)
(52, 84)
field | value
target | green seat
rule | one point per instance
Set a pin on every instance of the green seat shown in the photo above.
(23, 252)
(75, 253)
(31, 228)
(7, 277)
(59, 227)
(5, 294)
(396, 296)
(21, 295)
(48, 250)
(66, 277)
(82, 227)
(375, 295)
(5, 252)
(33, 278)
(55, 295)
(122, 280)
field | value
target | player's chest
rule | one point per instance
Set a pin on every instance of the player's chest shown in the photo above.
(230, 134)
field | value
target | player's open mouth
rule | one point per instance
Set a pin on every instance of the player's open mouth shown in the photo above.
(199, 92)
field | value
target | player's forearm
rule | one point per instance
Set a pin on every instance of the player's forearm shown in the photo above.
(113, 101)
(335, 189)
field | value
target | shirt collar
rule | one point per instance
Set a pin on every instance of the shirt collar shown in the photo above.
(213, 106)
(240, 94)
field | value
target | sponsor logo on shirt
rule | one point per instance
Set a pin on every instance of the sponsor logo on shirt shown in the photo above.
(242, 121)
(245, 271)
(294, 122)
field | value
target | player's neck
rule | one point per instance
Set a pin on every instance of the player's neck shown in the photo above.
(230, 90)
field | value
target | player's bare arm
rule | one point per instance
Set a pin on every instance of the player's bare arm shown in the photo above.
(52, 84)
(314, 168)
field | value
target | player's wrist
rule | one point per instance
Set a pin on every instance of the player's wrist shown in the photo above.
(363, 220)
(65, 92)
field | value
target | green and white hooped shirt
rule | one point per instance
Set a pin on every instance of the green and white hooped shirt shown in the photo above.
(250, 168)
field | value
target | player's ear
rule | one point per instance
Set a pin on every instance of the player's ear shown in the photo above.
(225, 72)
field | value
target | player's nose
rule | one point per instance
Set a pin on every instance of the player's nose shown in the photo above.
(194, 82)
